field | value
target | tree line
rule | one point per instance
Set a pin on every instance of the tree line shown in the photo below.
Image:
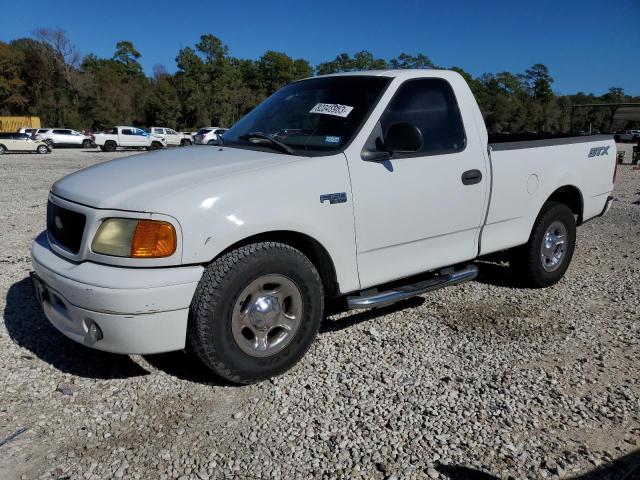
(46, 76)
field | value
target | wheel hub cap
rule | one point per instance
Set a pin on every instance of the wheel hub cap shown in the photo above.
(554, 246)
(267, 315)
(264, 312)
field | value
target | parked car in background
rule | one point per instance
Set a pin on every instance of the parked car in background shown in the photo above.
(129, 137)
(627, 136)
(64, 137)
(21, 142)
(208, 135)
(171, 136)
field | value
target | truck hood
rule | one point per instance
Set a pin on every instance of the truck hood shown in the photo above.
(134, 183)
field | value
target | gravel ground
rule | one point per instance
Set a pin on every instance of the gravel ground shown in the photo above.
(477, 381)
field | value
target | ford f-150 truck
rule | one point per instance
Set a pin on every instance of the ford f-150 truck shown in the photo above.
(370, 187)
(128, 137)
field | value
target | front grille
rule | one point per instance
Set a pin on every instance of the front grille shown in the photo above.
(65, 226)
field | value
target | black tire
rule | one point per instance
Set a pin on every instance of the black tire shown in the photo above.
(87, 144)
(154, 146)
(42, 149)
(49, 142)
(527, 262)
(212, 142)
(616, 138)
(210, 332)
(186, 143)
(109, 146)
(3, 149)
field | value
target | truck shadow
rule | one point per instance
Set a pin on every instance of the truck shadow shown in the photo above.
(28, 328)
(626, 467)
(339, 317)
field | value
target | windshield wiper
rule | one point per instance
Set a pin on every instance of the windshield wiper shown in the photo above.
(264, 139)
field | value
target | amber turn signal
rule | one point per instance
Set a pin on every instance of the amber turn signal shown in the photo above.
(153, 239)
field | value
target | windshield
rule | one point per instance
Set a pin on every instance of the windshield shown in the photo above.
(203, 131)
(317, 116)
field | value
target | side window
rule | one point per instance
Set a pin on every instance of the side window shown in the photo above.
(127, 131)
(171, 132)
(139, 132)
(430, 105)
(62, 132)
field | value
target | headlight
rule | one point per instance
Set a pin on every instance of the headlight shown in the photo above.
(129, 237)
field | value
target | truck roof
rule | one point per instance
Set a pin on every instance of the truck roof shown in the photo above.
(409, 72)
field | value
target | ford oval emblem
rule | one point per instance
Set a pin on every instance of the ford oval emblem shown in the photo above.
(58, 222)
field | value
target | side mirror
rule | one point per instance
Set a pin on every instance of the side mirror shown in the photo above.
(403, 138)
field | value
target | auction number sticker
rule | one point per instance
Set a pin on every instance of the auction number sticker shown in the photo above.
(334, 109)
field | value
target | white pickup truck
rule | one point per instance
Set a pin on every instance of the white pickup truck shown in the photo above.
(127, 137)
(171, 137)
(371, 187)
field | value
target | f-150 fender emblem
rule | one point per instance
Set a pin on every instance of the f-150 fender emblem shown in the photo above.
(334, 197)
(598, 151)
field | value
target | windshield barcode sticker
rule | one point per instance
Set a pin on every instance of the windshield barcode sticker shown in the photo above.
(334, 109)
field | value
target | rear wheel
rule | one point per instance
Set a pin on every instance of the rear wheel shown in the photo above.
(154, 146)
(87, 143)
(43, 149)
(256, 311)
(544, 259)
(186, 143)
(109, 146)
(212, 142)
(2, 149)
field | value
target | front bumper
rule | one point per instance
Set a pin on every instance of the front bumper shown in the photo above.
(115, 309)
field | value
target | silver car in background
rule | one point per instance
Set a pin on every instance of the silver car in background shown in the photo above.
(208, 136)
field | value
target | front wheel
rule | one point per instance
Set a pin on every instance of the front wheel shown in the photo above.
(154, 146)
(186, 143)
(256, 311)
(43, 149)
(544, 259)
(3, 149)
(87, 143)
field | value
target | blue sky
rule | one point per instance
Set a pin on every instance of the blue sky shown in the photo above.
(588, 45)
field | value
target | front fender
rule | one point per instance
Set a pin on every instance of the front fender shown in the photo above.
(284, 197)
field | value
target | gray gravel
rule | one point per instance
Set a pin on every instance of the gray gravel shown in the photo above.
(481, 377)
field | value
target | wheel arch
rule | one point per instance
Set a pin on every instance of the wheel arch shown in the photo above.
(571, 196)
(309, 246)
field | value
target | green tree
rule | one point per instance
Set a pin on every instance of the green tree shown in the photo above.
(404, 61)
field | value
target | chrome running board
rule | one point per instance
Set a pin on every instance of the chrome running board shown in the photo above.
(379, 299)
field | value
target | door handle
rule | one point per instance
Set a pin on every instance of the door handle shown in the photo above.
(471, 177)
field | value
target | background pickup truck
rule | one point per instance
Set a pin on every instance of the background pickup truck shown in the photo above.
(129, 137)
(171, 137)
(364, 187)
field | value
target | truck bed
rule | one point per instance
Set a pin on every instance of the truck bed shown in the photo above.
(525, 173)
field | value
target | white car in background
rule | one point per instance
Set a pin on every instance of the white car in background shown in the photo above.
(208, 135)
(21, 142)
(627, 136)
(171, 136)
(64, 137)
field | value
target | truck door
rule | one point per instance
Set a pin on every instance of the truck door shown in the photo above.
(172, 137)
(420, 211)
